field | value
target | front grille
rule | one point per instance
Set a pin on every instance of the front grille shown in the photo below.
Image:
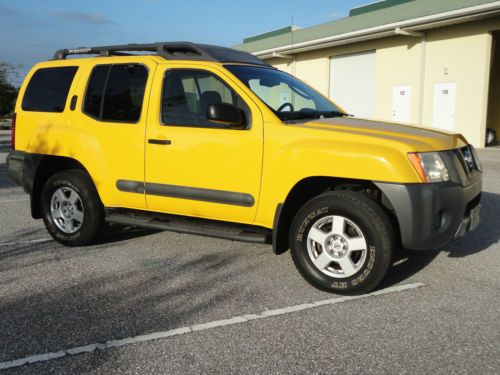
(466, 156)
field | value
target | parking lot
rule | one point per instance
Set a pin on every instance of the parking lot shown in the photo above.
(159, 302)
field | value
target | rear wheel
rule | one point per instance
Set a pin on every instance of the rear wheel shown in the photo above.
(342, 242)
(72, 211)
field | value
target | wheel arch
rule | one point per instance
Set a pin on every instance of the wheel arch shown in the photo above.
(43, 167)
(310, 187)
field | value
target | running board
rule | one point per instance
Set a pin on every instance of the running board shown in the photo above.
(188, 225)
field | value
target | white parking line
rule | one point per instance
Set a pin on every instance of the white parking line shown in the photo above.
(25, 242)
(197, 327)
(15, 200)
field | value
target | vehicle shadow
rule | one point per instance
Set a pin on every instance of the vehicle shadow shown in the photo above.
(119, 233)
(487, 234)
(35, 250)
(408, 263)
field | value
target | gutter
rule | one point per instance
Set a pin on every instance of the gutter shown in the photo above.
(407, 27)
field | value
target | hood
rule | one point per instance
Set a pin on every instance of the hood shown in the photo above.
(416, 138)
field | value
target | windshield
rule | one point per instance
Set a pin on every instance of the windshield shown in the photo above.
(288, 97)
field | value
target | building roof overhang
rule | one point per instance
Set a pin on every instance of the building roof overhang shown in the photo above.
(412, 27)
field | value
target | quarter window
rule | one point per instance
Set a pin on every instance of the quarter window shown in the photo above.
(48, 89)
(187, 94)
(115, 93)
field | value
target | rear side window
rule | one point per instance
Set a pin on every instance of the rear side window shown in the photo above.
(48, 89)
(115, 93)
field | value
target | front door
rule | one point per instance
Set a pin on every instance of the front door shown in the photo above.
(445, 97)
(401, 103)
(197, 167)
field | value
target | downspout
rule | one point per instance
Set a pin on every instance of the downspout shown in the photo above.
(421, 98)
(490, 55)
(423, 57)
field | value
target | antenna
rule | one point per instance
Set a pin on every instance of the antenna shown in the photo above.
(293, 65)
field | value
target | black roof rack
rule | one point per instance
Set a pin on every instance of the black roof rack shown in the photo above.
(170, 51)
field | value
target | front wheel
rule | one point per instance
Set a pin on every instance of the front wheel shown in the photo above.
(72, 211)
(342, 242)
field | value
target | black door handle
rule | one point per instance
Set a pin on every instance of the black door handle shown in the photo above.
(159, 141)
(72, 105)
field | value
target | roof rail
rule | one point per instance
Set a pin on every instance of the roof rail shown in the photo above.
(169, 51)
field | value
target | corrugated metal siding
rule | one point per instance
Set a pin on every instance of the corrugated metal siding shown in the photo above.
(402, 12)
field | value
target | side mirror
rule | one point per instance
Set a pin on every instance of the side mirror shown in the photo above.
(227, 114)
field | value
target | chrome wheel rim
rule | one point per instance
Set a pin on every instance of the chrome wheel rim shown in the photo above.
(336, 246)
(67, 210)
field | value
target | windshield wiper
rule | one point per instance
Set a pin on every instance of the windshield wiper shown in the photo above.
(330, 114)
(302, 115)
(290, 116)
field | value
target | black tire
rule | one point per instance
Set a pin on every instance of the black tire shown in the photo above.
(374, 225)
(93, 225)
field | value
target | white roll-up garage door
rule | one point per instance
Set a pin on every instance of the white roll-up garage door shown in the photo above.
(352, 82)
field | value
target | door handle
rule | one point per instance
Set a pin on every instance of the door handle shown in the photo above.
(159, 141)
(72, 105)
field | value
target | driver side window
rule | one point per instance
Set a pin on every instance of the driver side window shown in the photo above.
(187, 94)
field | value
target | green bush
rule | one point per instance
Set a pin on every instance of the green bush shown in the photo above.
(8, 93)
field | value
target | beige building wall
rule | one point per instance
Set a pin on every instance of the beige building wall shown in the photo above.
(282, 64)
(459, 53)
(398, 63)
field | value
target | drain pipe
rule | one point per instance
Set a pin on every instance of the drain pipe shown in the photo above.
(423, 56)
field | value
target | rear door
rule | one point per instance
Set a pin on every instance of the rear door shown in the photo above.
(114, 104)
(196, 167)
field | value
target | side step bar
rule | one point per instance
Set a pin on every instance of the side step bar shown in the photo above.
(182, 224)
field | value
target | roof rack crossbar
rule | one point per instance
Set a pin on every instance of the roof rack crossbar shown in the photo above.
(169, 51)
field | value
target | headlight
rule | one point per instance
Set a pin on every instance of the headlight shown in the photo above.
(429, 166)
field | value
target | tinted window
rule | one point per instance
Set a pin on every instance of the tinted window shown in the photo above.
(124, 93)
(48, 89)
(187, 94)
(95, 90)
(116, 92)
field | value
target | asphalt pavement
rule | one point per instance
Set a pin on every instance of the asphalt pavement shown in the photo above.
(146, 302)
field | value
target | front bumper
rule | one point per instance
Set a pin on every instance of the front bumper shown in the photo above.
(432, 215)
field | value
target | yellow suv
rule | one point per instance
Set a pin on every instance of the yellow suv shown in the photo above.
(212, 141)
